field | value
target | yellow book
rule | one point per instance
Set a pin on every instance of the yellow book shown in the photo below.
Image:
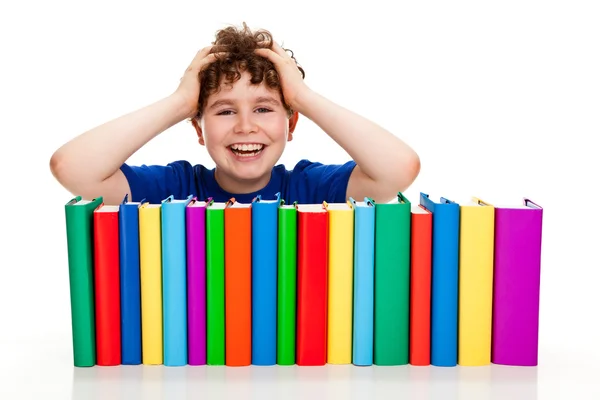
(340, 283)
(476, 271)
(151, 283)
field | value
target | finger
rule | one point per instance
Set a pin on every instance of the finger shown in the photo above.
(212, 57)
(200, 55)
(279, 50)
(269, 55)
(275, 48)
(199, 64)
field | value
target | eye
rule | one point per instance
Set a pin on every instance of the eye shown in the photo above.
(263, 110)
(225, 112)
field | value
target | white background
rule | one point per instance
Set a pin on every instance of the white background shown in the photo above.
(500, 100)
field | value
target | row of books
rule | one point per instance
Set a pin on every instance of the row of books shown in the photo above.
(195, 282)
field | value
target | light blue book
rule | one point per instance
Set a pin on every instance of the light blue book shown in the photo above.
(364, 275)
(264, 280)
(174, 277)
(444, 280)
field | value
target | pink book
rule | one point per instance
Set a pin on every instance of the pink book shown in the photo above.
(516, 298)
(196, 280)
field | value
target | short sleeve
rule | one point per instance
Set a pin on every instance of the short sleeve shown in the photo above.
(317, 182)
(155, 183)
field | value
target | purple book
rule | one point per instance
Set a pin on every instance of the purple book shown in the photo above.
(516, 299)
(196, 281)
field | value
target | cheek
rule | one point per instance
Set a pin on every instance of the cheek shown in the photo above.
(277, 128)
(214, 131)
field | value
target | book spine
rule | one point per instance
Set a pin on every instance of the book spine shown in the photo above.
(312, 289)
(79, 232)
(340, 287)
(264, 283)
(444, 299)
(286, 286)
(392, 284)
(475, 283)
(517, 266)
(107, 288)
(151, 285)
(196, 284)
(174, 284)
(129, 254)
(238, 286)
(215, 287)
(364, 275)
(420, 289)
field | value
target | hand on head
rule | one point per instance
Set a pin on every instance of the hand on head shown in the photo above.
(189, 85)
(290, 76)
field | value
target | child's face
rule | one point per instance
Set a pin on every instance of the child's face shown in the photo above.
(245, 128)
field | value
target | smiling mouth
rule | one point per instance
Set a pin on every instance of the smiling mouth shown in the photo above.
(246, 150)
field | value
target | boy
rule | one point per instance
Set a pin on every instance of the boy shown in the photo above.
(243, 95)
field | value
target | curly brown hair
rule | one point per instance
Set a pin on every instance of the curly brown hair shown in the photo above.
(238, 45)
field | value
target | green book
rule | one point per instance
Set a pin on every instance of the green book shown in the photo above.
(286, 284)
(79, 218)
(392, 282)
(215, 283)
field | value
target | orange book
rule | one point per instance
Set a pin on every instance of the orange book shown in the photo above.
(238, 283)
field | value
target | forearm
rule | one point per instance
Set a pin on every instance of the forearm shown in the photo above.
(98, 153)
(380, 155)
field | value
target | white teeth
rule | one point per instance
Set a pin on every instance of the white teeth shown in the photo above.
(247, 147)
(246, 150)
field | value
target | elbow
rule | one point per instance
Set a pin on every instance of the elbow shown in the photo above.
(412, 168)
(63, 172)
(72, 177)
(56, 166)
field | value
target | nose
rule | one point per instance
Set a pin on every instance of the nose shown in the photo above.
(245, 123)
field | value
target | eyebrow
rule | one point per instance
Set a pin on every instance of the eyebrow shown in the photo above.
(219, 103)
(267, 99)
(261, 99)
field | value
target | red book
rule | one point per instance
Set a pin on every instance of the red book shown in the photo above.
(311, 331)
(238, 283)
(106, 285)
(420, 286)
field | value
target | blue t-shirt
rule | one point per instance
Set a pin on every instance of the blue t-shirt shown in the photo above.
(307, 183)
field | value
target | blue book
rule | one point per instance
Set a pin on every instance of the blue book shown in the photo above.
(364, 276)
(444, 280)
(264, 280)
(174, 276)
(129, 270)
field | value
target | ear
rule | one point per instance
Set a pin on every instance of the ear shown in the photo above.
(292, 125)
(196, 125)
